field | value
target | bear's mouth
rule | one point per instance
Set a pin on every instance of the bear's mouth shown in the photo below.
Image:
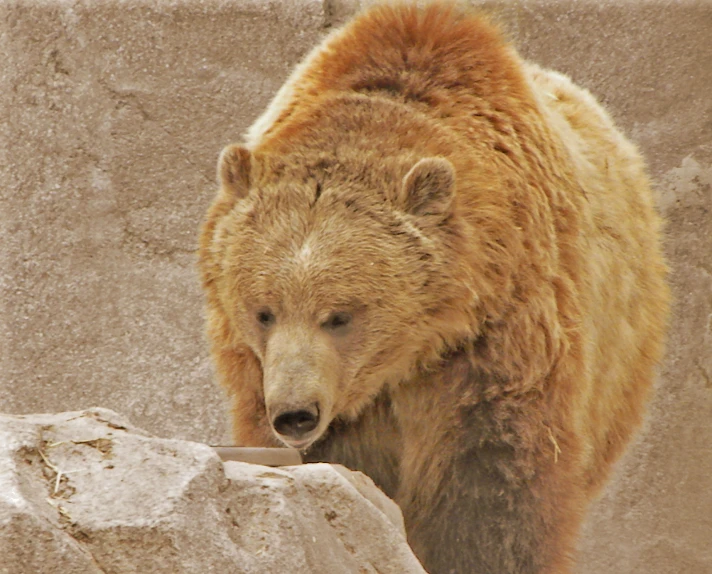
(300, 444)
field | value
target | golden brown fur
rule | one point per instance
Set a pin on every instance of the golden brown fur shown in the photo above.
(491, 238)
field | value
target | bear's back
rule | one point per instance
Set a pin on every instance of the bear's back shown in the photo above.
(441, 60)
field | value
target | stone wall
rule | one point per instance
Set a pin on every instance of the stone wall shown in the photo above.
(113, 114)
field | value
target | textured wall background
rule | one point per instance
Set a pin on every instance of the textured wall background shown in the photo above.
(112, 115)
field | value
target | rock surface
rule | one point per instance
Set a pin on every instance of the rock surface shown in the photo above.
(87, 492)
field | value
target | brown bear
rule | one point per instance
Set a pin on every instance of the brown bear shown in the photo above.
(440, 265)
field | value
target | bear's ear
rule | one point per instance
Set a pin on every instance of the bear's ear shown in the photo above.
(234, 167)
(428, 188)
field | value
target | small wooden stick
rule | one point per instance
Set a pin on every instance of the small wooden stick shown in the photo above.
(264, 456)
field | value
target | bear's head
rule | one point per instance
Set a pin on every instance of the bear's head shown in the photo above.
(340, 279)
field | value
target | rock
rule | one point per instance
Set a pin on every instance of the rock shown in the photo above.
(87, 492)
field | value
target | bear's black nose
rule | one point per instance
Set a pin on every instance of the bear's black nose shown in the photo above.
(297, 423)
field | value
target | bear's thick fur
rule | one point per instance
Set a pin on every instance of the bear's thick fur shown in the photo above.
(440, 265)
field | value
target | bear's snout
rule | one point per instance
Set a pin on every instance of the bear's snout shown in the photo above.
(296, 425)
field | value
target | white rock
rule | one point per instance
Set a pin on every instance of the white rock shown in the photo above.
(86, 492)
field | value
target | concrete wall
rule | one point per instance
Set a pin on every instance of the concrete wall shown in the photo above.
(113, 114)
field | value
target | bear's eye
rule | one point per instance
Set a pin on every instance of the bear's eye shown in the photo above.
(337, 321)
(265, 318)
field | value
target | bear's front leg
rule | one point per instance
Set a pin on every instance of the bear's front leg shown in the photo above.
(240, 374)
(485, 487)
